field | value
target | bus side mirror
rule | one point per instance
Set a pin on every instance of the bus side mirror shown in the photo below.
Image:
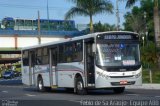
(93, 47)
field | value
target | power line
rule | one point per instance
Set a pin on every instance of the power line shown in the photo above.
(31, 6)
(35, 7)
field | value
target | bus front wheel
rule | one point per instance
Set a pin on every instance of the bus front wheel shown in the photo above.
(80, 90)
(119, 90)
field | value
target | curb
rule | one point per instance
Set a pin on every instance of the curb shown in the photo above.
(145, 86)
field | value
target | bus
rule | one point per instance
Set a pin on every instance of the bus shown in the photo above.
(9, 23)
(105, 60)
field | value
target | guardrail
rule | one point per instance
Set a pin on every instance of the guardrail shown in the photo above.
(35, 33)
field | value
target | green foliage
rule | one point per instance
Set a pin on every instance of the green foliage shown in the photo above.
(98, 27)
(136, 20)
(149, 57)
(89, 8)
(155, 76)
(17, 66)
(130, 3)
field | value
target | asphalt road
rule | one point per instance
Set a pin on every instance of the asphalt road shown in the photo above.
(14, 93)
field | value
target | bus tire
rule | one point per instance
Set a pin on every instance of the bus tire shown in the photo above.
(80, 90)
(119, 90)
(40, 85)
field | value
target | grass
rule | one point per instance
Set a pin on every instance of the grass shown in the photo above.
(155, 76)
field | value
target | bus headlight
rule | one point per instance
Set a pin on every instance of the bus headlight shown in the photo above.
(138, 75)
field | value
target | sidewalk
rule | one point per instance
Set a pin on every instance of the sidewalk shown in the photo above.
(145, 86)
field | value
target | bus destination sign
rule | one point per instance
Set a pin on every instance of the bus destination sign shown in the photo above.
(118, 37)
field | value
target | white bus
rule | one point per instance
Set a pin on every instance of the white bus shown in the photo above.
(94, 61)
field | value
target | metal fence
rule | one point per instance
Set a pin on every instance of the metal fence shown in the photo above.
(35, 33)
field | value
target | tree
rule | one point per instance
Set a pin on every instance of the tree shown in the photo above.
(156, 23)
(155, 14)
(103, 27)
(134, 21)
(89, 8)
(148, 55)
(130, 3)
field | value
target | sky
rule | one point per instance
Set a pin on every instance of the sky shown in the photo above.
(28, 9)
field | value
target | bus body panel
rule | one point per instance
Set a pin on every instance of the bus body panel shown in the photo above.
(42, 70)
(25, 75)
(67, 72)
(32, 76)
(103, 79)
(54, 75)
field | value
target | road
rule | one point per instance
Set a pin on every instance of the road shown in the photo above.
(12, 91)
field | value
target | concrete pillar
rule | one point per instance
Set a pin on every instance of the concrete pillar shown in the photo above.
(16, 41)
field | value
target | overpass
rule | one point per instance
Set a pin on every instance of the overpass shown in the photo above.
(11, 41)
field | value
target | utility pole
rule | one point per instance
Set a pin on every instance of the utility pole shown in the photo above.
(48, 16)
(117, 15)
(39, 29)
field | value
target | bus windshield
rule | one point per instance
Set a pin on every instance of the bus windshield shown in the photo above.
(117, 54)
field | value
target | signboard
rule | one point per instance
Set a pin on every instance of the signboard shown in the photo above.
(117, 36)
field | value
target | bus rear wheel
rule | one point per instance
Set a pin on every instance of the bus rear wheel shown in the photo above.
(40, 85)
(119, 90)
(80, 90)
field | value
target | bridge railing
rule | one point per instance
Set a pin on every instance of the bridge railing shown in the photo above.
(36, 33)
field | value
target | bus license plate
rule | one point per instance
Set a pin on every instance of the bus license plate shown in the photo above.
(123, 82)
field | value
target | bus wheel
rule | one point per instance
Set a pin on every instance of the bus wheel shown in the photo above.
(119, 90)
(80, 90)
(40, 85)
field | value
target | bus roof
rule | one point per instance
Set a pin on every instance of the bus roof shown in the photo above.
(75, 38)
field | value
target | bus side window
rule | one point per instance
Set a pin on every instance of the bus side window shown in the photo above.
(45, 57)
(39, 57)
(61, 54)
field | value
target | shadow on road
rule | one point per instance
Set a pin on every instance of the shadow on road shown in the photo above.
(64, 91)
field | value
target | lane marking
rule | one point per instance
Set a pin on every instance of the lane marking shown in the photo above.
(132, 94)
(5, 91)
(74, 101)
(29, 95)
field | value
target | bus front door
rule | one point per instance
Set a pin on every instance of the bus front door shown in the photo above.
(89, 63)
(53, 65)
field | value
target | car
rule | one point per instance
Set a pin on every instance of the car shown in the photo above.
(20, 74)
(8, 74)
(16, 74)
